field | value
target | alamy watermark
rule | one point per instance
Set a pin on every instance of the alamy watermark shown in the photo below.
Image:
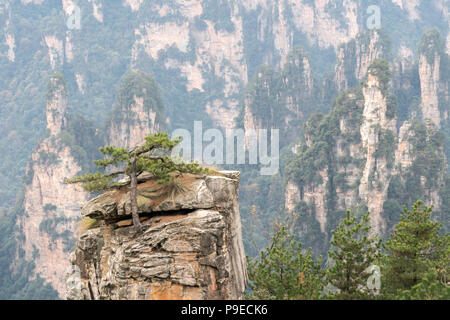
(374, 19)
(73, 17)
(237, 146)
(374, 280)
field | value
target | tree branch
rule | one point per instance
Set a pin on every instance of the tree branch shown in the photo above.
(114, 174)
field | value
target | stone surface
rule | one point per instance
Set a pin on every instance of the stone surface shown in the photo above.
(191, 247)
(367, 184)
(52, 208)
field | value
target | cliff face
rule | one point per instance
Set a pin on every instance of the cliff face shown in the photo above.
(355, 56)
(280, 99)
(49, 225)
(204, 54)
(354, 158)
(429, 80)
(137, 113)
(191, 247)
(376, 125)
(434, 84)
(51, 207)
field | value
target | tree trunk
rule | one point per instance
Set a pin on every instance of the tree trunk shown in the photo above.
(133, 199)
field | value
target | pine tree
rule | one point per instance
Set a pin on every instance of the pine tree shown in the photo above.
(430, 288)
(284, 271)
(416, 253)
(151, 156)
(353, 252)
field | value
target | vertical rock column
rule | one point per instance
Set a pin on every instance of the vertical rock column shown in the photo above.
(376, 173)
(51, 207)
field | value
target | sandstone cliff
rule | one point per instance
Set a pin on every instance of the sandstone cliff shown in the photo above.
(434, 84)
(51, 207)
(137, 113)
(191, 247)
(378, 123)
(280, 99)
(355, 56)
(354, 158)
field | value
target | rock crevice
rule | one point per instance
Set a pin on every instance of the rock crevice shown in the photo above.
(191, 247)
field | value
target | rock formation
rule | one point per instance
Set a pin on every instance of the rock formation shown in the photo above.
(191, 247)
(274, 99)
(351, 156)
(433, 85)
(51, 207)
(138, 111)
(376, 125)
(355, 56)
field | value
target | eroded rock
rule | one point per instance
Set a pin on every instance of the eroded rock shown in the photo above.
(191, 247)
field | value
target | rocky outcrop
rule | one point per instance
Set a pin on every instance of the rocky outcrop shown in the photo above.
(276, 99)
(375, 125)
(354, 156)
(292, 196)
(434, 80)
(216, 50)
(410, 153)
(429, 83)
(191, 247)
(138, 111)
(55, 50)
(355, 56)
(51, 207)
(217, 43)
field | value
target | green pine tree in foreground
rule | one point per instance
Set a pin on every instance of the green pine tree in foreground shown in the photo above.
(284, 271)
(151, 156)
(417, 265)
(353, 253)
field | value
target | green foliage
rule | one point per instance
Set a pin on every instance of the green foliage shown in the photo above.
(150, 157)
(101, 56)
(391, 104)
(322, 132)
(306, 228)
(353, 252)
(49, 207)
(219, 12)
(282, 99)
(380, 69)
(87, 223)
(48, 158)
(259, 211)
(141, 85)
(414, 248)
(356, 49)
(427, 146)
(16, 285)
(83, 138)
(416, 265)
(391, 210)
(56, 81)
(445, 208)
(318, 156)
(294, 85)
(283, 271)
(430, 288)
(386, 146)
(431, 44)
(262, 93)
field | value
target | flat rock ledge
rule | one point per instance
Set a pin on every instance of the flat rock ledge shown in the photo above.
(191, 247)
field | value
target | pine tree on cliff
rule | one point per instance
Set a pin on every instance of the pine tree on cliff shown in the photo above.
(151, 156)
(353, 253)
(417, 255)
